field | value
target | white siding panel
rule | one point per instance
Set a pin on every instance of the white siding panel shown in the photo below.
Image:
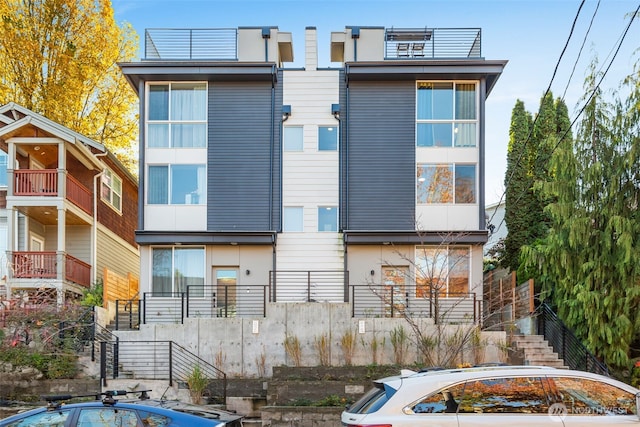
(175, 218)
(447, 217)
(310, 177)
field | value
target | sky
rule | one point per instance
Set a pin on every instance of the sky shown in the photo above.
(529, 34)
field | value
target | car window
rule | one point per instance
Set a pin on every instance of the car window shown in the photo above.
(505, 395)
(107, 417)
(43, 419)
(153, 420)
(444, 401)
(582, 396)
(373, 400)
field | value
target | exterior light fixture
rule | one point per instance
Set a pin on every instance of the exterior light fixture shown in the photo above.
(335, 110)
(373, 272)
(286, 112)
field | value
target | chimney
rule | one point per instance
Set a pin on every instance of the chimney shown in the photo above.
(310, 48)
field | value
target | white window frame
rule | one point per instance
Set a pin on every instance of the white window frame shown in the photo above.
(337, 218)
(203, 197)
(440, 270)
(452, 166)
(169, 121)
(109, 185)
(286, 225)
(453, 122)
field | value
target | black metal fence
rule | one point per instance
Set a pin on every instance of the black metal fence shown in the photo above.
(387, 301)
(566, 344)
(158, 360)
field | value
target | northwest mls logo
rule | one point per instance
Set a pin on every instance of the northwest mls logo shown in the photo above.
(558, 412)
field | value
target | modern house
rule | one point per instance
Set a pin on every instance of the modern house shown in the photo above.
(68, 209)
(360, 184)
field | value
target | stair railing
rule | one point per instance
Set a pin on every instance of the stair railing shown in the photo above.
(127, 307)
(159, 360)
(566, 344)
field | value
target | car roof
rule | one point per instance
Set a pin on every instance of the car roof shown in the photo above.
(169, 408)
(450, 376)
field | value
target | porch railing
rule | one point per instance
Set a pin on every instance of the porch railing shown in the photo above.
(433, 43)
(387, 301)
(308, 286)
(44, 265)
(202, 301)
(191, 43)
(44, 183)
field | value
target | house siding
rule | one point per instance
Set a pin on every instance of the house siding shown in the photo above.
(116, 255)
(121, 223)
(242, 156)
(380, 152)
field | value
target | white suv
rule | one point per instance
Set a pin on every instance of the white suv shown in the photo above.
(519, 396)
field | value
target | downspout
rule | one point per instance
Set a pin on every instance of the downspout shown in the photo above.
(346, 178)
(94, 227)
(271, 143)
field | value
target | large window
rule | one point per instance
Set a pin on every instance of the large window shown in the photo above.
(446, 183)
(327, 218)
(446, 114)
(175, 268)
(112, 189)
(177, 115)
(176, 185)
(442, 271)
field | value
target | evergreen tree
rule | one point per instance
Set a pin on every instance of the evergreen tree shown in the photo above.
(588, 257)
(518, 183)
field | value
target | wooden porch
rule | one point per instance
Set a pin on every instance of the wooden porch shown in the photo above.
(45, 265)
(44, 183)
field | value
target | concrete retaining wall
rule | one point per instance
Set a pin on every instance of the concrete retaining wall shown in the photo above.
(246, 347)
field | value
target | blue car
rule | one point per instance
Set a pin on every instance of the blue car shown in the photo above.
(108, 411)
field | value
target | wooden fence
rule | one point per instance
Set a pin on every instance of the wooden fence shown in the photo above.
(505, 301)
(117, 287)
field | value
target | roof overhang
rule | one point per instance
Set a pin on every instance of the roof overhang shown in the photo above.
(372, 237)
(205, 237)
(136, 72)
(464, 69)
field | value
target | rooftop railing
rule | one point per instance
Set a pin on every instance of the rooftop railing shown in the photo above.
(433, 43)
(190, 44)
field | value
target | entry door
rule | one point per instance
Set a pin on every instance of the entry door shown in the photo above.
(395, 285)
(36, 244)
(226, 290)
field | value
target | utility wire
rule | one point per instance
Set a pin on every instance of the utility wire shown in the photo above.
(591, 95)
(584, 41)
(524, 146)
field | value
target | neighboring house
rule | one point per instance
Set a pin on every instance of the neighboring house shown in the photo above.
(261, 183)
(495, 224)
(68, 208)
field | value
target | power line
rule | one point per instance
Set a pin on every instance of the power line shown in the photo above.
(592, 94)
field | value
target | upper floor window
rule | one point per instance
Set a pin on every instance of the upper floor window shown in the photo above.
(292, 220)
(112, 189)
(327, 218)
(293, 140)
(177, 115)
(327, 138)
(3, 169)
(446, 183)
(176, 185)
(446, 114)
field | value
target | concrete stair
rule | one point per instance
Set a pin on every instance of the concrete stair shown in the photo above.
(537, 351)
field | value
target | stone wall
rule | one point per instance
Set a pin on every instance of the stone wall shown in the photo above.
(295, 416)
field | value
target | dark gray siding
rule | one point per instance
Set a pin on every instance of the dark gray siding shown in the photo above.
(380, 156)
(241, 155)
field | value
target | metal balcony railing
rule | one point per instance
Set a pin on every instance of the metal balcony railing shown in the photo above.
(433, 43)
(189, 44)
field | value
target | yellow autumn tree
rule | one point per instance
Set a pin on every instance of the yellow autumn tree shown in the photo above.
(59, 58)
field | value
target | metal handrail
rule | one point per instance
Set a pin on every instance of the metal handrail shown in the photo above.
(159, 360)
(564, 342)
